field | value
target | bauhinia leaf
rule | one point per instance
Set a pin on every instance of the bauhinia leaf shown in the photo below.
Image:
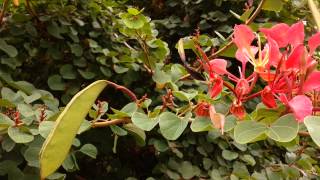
(59, 141)
(249, 131)
(171, 126)
(284, 129)
(313, 125)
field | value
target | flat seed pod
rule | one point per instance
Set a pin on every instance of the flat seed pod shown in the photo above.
(59, 141)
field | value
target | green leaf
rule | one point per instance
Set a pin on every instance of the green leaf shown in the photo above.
(6, 103)
(118, 130)
(19, 136)
(10, 50)
(201, 124)
(313, 125)
(54, 30)
(31, 156)
(5, 121)
(142, 121)
(240, 170)
(69, 122)
(89, 150)
(86, 74)
(183, 96)
(55, 83)
(272, 5)
(76, 49)
(67, 72)
(85, 125)
(160, 76)
(133, 21)
(248, 159)
(245, 16)
(137, 133)
(188, 170)
(45, 127)
(171, 126)
(230, 123)
(229, 52)
(133, 11)
(130, 108)
(7, 144)
(229, 155)
(25, 110)
(248, 131)
(284, 129)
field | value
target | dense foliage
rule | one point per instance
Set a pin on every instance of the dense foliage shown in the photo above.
(159, 124)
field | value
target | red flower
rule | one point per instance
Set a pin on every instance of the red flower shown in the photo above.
(202, 109)
(216, 86)
(237, 109)
(267, 97)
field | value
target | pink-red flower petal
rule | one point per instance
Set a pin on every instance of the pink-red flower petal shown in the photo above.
(312, 82)
(274, 52)
(216, 87)
(314, 42)
(296, 34)
(242, 87)
(295, 58)
(243, 36)
(218, 66)
(278, 33)
(301, 106)
(268, 98)
(238, 110)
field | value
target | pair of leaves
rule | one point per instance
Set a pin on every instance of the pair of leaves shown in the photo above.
(284, 129)
(171, 126)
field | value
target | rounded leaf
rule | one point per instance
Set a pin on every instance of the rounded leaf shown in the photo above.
(19, 136)
(284, 129)
(313, 125)
(171, 126)
(248, 131)
(142, 121)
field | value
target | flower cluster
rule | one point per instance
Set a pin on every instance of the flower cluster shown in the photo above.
(283, 63)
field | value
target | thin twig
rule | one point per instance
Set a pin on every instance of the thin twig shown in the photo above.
(4, 7)
(106, 123)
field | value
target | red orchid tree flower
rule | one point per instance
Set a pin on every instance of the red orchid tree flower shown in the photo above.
(285, 65)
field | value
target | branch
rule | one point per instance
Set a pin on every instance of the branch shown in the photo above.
(4, 7)
(315, 13)
(124, 90)
(106, 123)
